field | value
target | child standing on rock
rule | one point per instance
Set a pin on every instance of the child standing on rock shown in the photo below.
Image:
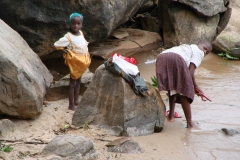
(76, 55)
(175, 69)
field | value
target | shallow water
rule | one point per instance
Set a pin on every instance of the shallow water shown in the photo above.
(219, 80)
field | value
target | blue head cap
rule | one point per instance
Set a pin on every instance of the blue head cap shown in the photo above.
(74, 15)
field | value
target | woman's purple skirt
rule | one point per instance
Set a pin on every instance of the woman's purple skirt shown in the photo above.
(173, 74)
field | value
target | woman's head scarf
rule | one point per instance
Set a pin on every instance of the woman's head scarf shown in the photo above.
(74, 15)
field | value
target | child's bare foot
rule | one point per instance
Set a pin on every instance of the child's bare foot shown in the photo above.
(73, 108)
(189, 125)
(76, 103)
(192, 124)
(170, 119)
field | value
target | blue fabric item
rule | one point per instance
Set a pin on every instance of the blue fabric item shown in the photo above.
(74, 15)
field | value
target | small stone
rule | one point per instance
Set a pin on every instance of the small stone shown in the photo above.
(45, 102)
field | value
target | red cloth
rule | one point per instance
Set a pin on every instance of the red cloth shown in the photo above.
(130, 60)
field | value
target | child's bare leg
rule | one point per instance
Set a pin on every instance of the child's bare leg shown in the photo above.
(76, 92)
(72, 84)
(187, 110)
(171, 107)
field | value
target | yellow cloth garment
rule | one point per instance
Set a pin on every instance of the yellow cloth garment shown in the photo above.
(77, 57)
(77, 63)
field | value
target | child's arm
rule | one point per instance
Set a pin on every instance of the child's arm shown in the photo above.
(62, 43)
(192, 69)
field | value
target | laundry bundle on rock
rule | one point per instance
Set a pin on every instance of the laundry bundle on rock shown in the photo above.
(129, 72)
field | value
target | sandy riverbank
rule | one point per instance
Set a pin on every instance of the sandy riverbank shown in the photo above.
(204, 141)
(167, 144)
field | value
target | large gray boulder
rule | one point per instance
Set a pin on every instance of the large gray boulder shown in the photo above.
(181, 19)
(228, 41)
(206, 7)
(186, 24)
(110, 103)
(42, 22)
(24, 79)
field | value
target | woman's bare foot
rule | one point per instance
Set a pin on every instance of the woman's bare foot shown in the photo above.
(73, 108)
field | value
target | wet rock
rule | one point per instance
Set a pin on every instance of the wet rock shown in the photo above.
(230, 132)
(124, 145)
(70, 146)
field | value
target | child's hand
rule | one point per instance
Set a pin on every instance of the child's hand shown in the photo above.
(198, 91)
(65, 51)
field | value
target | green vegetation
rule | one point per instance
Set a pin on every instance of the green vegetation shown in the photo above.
(226, 55)
(226, 52)
(6, 148)
(66, 126)
(154, 81)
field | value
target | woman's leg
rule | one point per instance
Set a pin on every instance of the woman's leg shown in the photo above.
(187, 110)
(72, 84)
(76, 92)
(171, 107)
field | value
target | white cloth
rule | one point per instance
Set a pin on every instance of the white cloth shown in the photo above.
(127, 67)
(79, 44)
(190, 53)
